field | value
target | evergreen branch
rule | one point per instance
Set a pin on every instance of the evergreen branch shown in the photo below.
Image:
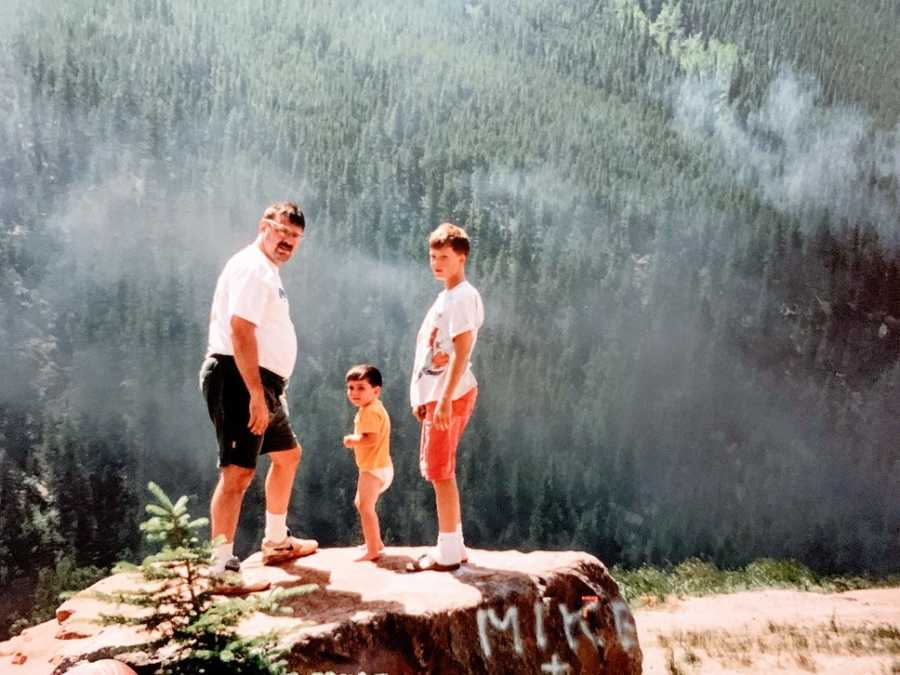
(177, 605)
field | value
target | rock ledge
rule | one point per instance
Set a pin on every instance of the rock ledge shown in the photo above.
(502, 612)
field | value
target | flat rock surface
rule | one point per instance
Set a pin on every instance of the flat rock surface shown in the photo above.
(374, 616)
(774, 631)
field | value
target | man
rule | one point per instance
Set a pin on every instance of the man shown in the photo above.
(251, 354)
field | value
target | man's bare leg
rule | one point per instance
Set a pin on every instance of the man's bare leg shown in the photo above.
(277, 546)
(225, 508)
(279, 485)
(280, 479)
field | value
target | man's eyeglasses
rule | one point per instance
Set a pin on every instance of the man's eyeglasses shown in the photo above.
(284, 230)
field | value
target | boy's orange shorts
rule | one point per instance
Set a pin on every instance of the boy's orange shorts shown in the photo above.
(437, 448)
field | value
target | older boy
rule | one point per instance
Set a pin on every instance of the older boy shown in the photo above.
(443, 388)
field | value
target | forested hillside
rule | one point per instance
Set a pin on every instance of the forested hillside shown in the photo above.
(685, 221)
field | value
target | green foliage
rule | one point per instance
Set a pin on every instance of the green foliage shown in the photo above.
(198, 631)
(54, 584)
(695, 577)
(714, 372)
(780, 573)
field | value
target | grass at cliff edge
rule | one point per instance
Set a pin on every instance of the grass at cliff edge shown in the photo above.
(695, 577)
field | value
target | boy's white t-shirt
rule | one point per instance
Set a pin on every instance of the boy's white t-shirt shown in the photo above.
(250, 287)
(455, 311)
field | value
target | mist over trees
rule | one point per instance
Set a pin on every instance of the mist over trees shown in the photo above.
(684, 216)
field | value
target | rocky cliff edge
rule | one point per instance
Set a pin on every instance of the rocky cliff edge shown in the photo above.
(502, 612)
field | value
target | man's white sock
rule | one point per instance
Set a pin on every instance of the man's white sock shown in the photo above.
(221, 555)
(276, 527)
(448, 548)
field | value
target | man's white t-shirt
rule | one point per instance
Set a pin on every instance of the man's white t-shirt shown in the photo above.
(455, 311)
(250, 287)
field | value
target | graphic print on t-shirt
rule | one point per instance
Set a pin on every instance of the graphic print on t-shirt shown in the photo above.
(454, 312)
(437, 357)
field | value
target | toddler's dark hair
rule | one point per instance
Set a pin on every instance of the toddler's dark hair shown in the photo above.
(364, 371)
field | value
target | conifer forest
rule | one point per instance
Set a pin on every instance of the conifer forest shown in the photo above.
(685, 225)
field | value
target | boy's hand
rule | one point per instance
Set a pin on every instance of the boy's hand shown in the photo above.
(442, 414)
(348, 441)
(419, 412)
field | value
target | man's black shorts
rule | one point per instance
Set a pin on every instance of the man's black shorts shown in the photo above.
(228, 402)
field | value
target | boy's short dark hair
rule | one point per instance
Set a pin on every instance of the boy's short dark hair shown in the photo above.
(448, 234)
(364, 371)
(290, 210)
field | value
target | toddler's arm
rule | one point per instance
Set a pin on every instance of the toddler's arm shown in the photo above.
(358, 440)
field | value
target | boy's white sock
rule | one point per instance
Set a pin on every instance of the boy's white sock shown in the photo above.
(221, 555)
(276, 527)
(448, 548)
(463, 553)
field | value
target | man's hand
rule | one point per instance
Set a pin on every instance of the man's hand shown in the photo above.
(246, 356)
(259, 413)
(419, 412)
(350, 440)
(443, 413)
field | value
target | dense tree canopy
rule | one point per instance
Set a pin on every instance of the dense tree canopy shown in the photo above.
(684, 216)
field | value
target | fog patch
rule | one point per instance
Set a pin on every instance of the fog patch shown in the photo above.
(804, 158)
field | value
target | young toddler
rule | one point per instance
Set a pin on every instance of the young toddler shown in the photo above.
(370, 442)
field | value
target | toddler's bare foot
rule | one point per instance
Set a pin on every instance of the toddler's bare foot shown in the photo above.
(369, 556)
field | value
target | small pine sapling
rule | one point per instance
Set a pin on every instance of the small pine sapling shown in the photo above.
(192, 629)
